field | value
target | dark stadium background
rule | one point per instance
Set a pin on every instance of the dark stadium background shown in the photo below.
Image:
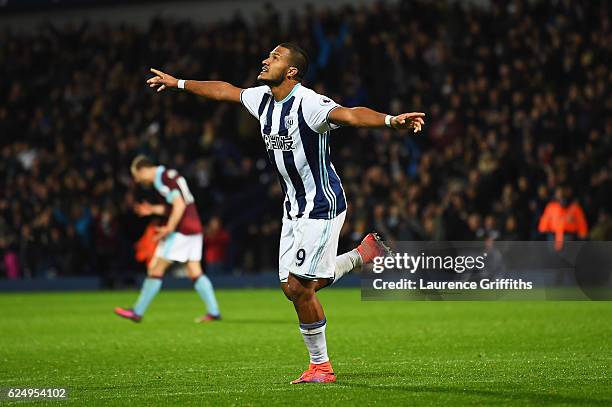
(517, 96)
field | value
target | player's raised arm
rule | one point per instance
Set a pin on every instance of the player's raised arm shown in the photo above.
(365, 117)
(215, 90)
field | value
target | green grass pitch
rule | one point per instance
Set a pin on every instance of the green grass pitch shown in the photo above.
(385, 353)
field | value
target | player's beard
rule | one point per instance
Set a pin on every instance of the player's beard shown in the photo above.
(272, 81)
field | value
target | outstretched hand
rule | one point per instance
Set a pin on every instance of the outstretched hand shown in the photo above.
(162, 80)
(413, 120)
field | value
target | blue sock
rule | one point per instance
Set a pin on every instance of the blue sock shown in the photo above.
(150, 288)
(205, 289)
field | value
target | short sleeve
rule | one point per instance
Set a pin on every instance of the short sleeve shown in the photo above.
(316, 109)
(255, 99)
(166, 184)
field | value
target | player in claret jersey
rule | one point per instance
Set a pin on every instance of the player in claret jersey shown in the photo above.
(295, 124)
(179, 240)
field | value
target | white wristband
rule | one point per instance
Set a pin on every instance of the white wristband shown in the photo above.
(181, 84)
(388, 120)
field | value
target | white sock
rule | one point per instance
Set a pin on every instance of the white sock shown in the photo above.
(314, 338)
(347, 262)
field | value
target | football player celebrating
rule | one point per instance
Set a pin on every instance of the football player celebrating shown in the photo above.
(295, 124)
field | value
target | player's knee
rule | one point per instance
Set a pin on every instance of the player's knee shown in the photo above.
(297, 293)
(155, 272)
(290, 291)
(285, 287)
(194, 274)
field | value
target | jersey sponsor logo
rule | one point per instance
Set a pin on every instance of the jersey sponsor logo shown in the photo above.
(278, 142)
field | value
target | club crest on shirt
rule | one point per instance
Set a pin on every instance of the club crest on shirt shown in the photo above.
(290, 120)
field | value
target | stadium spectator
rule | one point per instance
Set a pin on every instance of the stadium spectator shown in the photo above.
(603, 229)
(9, 261)
(563, 220)
(216, 241)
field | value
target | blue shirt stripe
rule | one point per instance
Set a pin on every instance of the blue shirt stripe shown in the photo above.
(268, 125)
(326, 186)
(267, 130)
(336, 186)
(311, 142)
(288, 159)
(282, 182)
(262, 104)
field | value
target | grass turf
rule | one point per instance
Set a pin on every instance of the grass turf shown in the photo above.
(385, 353)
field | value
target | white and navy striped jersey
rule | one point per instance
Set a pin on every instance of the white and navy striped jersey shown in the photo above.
(296, 132)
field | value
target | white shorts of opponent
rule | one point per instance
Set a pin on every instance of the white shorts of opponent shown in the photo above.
(179, 247)
(308, 247)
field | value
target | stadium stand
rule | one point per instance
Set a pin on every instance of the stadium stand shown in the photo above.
(74, 110)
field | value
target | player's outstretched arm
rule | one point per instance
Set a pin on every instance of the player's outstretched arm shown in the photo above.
(215, 90)
(366, 117)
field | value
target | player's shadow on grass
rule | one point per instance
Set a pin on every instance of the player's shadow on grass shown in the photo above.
(504, 395)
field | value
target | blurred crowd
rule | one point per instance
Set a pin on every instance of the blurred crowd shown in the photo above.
(517, 97)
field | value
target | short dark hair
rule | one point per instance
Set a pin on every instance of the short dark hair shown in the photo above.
(141, 161)
(298, 58)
